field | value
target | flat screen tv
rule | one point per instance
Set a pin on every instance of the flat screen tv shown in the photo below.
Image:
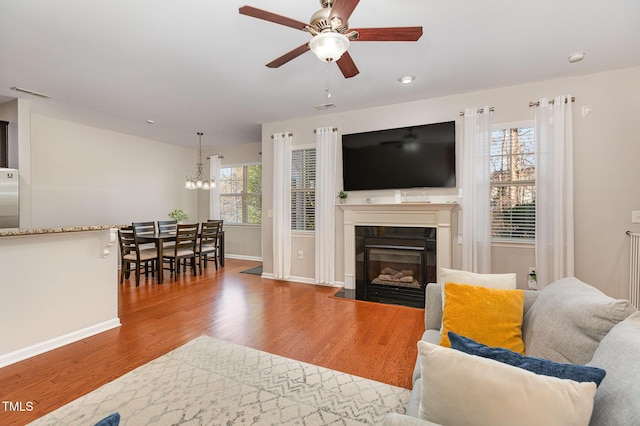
(411, 157)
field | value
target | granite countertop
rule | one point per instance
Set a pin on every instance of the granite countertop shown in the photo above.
(55, 230)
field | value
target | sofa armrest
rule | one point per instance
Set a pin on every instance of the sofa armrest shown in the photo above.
(433, 307)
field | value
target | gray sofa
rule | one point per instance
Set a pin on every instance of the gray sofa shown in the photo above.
(569, 322)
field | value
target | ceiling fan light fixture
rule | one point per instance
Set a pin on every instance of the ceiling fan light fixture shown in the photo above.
(329, 46)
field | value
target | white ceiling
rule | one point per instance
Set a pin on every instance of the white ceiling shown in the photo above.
(198, 65)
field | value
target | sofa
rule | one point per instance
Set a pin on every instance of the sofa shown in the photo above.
(569, 323)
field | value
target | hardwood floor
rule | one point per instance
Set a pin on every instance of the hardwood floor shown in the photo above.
(299, 321)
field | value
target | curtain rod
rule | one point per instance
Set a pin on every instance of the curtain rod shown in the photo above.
(537, 104)
(283, 134)
(481, 111)
(219, 156)
(333, 129)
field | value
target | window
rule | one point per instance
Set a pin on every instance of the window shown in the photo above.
(513, 190)
(303, 194)
(241, 194)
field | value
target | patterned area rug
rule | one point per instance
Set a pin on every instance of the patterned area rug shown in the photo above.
(213, 382)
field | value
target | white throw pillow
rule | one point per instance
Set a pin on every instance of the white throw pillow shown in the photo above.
(504, 281)
(461, 389)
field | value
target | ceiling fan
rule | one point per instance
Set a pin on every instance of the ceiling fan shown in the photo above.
(331, 33)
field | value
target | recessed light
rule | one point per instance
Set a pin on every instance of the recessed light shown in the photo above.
(151, 122)
(406, 79)
(576, 57)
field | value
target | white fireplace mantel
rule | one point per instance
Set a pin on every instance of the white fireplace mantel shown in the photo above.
(439, 216)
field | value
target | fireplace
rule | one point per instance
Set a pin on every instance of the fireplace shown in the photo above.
(394, 263)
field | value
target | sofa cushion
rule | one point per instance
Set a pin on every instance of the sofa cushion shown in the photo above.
(506, 281)
(462, 389)
(569, 319)
(578, 373)
(618, 397)
(491, 316)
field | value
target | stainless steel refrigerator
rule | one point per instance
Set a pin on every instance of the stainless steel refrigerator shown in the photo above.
(9, 198)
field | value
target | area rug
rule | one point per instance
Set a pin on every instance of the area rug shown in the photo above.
(254, 271)
(213, 382)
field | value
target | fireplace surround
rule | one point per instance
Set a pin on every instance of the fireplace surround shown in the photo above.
(441, 218)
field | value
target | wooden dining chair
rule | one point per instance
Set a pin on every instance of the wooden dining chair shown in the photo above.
(208, 244)
(184, 248)
(132, 255)
(220, 223)
(167, 226)
(144, 227)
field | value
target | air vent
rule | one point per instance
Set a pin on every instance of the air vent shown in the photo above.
(325, 106)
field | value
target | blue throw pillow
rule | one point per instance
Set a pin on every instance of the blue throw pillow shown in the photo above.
(112, 420)
(575, 372)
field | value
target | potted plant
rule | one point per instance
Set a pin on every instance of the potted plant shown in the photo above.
(342, 196)
(179, 215)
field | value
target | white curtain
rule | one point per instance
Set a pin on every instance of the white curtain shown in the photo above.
(554, 190)
(325, 210)
(214, 200)
(282, 205)
(476, 209)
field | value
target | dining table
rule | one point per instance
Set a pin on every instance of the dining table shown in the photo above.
(160, 238)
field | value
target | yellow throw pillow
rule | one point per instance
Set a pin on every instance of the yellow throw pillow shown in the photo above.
(490, 316)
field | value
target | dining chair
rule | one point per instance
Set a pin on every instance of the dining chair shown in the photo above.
(183, 248)
(144, 227)
(219, 248)
(219, 222)
(207, 244)
(131, 254)
(167, 226)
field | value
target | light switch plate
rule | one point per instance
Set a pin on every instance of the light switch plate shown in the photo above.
(635, 216)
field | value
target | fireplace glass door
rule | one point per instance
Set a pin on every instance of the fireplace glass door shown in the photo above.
(395, 267)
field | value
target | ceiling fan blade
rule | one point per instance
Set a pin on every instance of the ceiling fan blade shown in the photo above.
(347, 66)
(389, 34)
(343, 9)
(272, 17)
(288, 56)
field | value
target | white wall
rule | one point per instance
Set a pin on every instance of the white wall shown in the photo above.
(88, 176)
(605, 155)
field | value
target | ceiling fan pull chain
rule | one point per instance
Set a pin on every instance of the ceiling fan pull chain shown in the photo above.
(328, 81)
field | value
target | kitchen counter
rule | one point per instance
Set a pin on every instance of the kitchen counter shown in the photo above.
(56, 230)
(57, 286)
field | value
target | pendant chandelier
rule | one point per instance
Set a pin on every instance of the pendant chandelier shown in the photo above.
(199, 182)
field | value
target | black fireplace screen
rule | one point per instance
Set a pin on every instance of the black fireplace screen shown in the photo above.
(394, 264)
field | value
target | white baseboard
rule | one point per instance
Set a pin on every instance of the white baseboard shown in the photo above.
(57, 342)
(304, 280)
(242, 257)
